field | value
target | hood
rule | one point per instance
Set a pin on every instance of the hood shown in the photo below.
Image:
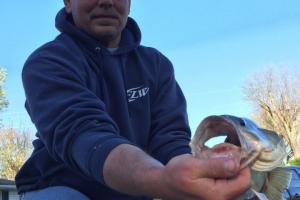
(130, 39)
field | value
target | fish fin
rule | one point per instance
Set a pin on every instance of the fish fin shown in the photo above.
(278, 180)
(260, 196)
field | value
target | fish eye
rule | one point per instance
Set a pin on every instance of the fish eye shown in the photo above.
(242, 123)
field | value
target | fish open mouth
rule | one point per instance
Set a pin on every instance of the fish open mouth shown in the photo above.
(213, 127)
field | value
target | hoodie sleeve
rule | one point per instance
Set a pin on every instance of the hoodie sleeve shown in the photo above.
(170, 134)
(71, 121)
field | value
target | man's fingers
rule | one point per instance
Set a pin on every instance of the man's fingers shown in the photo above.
(236, 185)
(228, 188)
(219, 167)
(221, 161)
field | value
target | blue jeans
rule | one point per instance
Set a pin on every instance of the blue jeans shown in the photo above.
(54, 193)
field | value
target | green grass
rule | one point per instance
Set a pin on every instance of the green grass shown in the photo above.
(295, 162)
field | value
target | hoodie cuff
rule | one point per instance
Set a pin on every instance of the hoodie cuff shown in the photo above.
(90, 151)
(99, 155)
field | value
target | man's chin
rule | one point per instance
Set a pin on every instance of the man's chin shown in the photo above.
(105, 31)
(106, 37)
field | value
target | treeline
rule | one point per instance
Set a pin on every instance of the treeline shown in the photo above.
(15, 145)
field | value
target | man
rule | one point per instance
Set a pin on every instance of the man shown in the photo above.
(110, 117)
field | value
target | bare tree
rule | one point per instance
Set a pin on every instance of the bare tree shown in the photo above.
(14, 149)
(275, 96)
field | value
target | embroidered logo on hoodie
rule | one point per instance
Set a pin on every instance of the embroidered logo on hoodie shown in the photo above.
(136, 93)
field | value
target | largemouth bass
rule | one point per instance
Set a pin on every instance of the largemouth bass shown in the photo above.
(262, 150)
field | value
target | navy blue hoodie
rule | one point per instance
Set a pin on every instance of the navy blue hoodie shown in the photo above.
(85, 100)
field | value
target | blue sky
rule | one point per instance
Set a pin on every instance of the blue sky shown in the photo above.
(214, 46)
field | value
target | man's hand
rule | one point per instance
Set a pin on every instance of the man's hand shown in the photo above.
(218, 178)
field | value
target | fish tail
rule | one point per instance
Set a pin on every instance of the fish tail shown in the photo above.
(278, 180)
